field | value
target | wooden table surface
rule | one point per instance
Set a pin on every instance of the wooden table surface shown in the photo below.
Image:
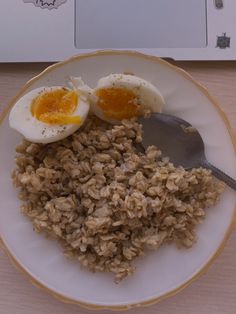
(213, 293)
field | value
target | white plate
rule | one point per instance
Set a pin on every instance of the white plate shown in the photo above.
(160, 273)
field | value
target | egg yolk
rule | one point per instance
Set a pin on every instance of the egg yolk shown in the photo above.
(118, 103)
(56, 107)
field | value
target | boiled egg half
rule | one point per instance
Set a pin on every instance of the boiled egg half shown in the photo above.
(121, 96)
(48, 114)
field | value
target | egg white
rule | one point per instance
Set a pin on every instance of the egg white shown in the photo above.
(34, 130)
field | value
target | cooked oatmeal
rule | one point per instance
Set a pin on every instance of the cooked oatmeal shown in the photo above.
(106, 202)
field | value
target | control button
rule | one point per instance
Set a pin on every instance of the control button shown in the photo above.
(223, 41)
(219, 4)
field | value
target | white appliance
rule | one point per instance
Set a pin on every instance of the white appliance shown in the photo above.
(52, 30)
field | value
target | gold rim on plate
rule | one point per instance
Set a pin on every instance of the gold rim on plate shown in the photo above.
(200, 272)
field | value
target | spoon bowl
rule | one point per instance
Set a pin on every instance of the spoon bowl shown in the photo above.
(180, 141)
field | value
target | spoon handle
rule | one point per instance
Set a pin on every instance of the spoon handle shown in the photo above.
(219, 174)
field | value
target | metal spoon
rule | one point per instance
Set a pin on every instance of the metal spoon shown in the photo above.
(180, 142)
